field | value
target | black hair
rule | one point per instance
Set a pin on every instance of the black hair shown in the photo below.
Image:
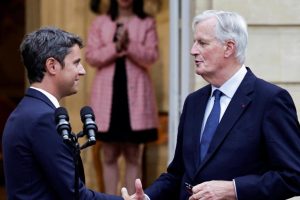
(95, 6)
(137, 8)
(42, 44)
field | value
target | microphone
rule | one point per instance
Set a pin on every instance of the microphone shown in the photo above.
(63, 126)
(89, 126)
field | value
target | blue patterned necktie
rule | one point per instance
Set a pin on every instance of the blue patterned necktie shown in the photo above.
(211, 124)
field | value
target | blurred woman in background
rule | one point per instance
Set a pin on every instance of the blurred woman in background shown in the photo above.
(122, 45)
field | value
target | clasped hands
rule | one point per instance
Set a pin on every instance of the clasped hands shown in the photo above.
(213, 190)
(122, 39)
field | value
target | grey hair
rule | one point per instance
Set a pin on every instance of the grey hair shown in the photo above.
(42, 44)
(230, 25)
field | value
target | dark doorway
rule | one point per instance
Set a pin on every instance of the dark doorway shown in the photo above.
(12, 83)
(12, 22)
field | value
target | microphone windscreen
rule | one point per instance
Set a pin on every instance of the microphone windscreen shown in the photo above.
(61, 111)
(86, 110)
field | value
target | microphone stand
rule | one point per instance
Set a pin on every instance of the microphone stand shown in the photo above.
(76, 160)
(73, 142)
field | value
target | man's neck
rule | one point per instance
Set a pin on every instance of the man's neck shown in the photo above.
(45, 88)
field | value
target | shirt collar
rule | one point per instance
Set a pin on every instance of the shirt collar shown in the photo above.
(231, 85)
(48, 95)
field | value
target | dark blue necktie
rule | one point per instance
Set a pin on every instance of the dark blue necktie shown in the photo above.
(211, 124)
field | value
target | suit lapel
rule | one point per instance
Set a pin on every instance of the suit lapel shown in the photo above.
(198, 115)
(234, 111)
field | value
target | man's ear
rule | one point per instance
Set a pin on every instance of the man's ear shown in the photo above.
(51, 65)
(230, 48)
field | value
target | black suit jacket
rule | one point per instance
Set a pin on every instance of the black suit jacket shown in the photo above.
(37, 163)
(257, 143)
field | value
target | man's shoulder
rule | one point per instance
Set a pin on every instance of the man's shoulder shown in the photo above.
(266, 86)
(202, 91)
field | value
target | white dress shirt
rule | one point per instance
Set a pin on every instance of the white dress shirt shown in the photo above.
(50, 96)
(228, 89)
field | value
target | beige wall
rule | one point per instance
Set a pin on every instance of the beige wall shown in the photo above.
(160, 70)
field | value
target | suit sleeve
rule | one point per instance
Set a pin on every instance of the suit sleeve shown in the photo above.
(282, 138)
(167, 186)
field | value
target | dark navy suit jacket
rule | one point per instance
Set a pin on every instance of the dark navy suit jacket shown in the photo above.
(257, 143)
(37, 164)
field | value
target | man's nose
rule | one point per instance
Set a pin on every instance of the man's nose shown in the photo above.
(82, 70)
(194, 49)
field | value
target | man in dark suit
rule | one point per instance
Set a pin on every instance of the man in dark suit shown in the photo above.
(254, 151)
(37, 163)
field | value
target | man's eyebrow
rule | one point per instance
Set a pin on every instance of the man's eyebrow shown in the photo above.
(77, 60)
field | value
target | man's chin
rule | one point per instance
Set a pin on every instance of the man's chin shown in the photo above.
(199, 71)
(72, 93)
